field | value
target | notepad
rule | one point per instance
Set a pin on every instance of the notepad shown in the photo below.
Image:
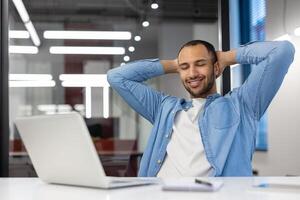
(190, 185)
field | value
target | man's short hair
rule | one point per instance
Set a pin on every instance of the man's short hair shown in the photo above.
(210, 48)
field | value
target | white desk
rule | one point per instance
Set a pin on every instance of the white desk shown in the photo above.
(234, 188)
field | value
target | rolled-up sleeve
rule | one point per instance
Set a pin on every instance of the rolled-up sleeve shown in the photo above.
(127, 81)
(272, 60)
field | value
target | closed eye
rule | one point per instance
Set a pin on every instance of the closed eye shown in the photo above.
(184, 66)
(200, 63)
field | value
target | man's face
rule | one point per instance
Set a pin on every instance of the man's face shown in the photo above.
(197, 71)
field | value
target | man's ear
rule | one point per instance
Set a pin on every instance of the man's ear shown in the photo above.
(217, 69)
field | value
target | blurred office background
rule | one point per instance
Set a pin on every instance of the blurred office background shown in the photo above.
(48, 75)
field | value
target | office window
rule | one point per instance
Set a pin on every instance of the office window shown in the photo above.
(60, 52)
(257, 33)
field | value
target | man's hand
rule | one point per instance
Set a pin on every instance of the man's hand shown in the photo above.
(170, 66)
(225, 58)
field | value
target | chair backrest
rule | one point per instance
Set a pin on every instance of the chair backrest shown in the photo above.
(113, 144)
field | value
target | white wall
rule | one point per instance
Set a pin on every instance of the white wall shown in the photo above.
(283, 158)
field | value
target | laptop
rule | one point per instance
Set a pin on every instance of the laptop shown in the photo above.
(62, 152)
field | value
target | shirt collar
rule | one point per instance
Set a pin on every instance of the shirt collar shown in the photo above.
(186, 104)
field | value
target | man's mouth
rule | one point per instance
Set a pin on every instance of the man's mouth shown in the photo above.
(195, 82)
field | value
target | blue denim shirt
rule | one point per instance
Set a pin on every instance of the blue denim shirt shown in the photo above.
(228, 124)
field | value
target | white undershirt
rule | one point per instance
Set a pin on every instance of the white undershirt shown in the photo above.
(185, 152)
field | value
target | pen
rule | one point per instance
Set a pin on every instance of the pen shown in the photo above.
(199, 181)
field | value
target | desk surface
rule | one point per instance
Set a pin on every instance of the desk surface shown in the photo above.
(234, 188)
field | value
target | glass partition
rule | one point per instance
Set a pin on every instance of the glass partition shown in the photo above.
(60, 52)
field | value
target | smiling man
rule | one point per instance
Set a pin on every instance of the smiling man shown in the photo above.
(209, 134)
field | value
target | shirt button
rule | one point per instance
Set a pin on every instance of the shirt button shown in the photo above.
(167, 136)
(158, 161)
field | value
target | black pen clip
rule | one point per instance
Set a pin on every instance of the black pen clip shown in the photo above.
(199, 181)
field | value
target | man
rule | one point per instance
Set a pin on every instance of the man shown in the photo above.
(209, 135)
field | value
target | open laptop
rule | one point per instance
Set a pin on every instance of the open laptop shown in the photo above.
(62, 152)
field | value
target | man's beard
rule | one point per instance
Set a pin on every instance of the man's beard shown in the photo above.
(204, 92)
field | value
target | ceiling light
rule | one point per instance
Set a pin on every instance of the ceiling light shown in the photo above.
(131, 49)
(154, 6)
(88, 83)
(34, 36)
(26, 20)
(21, 10)
(48, 108)
(106, 102)
(88, 102)
(145, 23)
(137, 38)
(18, 34)
(88, 35)
(84, 80)
(30, 77)
(126, 58)
(23, 49)
(87, 50)
(50, 83)
(82, 77)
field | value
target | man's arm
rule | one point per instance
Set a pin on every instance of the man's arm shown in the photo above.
(272, 61)
(225, 59)
(170, 66)
(128, 80)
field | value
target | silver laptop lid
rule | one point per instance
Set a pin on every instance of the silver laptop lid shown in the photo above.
(62, 150)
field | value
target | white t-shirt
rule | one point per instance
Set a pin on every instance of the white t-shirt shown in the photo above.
(185, 152)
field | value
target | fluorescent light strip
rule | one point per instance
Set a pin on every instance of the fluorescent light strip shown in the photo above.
(13, 34)
(64, 108)
(88, 35)
(88, 81)
(32, 83)
(82, 77)
(23, 49)
(48, 108)
(21, 10)
(88, 102)
(84, 80)
(30, 77)
(34, 36)
(26, 20)
(105, 102)
(84, 84)
(52, 108)
(87, 50)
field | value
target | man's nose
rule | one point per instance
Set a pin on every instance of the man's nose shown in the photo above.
(193, 72)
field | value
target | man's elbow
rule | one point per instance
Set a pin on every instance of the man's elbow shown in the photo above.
(287, 50)
(113, 77)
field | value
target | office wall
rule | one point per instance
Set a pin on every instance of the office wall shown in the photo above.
(282, 158)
